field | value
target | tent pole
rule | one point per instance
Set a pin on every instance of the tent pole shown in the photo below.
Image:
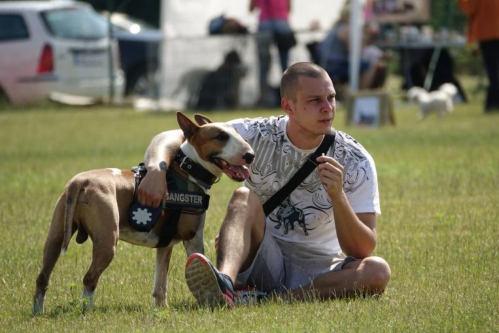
(356, 22)
(162, 51)
(110, 36)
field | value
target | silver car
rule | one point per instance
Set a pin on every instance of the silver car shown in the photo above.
(58, 50)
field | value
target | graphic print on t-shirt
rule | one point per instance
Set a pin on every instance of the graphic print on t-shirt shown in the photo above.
(287, 215)
(307, 212)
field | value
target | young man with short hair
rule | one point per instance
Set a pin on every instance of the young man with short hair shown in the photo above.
(320, 239)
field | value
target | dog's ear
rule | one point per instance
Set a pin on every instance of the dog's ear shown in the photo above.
(186, 125)
(201, 120)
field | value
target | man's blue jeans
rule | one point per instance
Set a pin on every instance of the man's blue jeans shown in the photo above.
(265, 39)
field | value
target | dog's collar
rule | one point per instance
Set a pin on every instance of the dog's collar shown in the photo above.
(195, 170)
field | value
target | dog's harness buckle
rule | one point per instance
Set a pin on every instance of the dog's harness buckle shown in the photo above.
(182, 162)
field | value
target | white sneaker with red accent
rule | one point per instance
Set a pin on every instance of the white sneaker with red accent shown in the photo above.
(207, 284)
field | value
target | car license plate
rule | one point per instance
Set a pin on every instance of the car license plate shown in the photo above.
(89, 58)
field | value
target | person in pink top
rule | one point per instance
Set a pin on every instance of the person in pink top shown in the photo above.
(273, 27)
(272, 9)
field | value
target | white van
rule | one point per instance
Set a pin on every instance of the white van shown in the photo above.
(59, 50)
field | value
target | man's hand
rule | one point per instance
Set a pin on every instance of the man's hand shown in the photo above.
(356, 232)
(152, 188)
(331, 175)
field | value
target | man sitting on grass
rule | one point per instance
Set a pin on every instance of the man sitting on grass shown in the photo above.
(319, 240)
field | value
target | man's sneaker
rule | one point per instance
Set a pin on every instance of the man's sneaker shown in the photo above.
(206, 283)
(249, 297)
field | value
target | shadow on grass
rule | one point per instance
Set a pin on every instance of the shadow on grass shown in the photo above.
(75, 308)
(276, 300)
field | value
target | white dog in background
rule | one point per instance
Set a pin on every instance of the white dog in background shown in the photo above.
(440, 101)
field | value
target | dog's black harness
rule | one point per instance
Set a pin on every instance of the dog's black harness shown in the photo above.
(186, 194)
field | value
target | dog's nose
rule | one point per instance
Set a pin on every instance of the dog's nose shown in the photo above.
(248, 157)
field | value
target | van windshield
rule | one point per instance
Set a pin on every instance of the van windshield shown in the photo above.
(75, 23)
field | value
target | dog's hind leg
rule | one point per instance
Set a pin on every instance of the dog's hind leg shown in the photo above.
(104, 218)
(51, 252)
(102, 255)
(163, 255)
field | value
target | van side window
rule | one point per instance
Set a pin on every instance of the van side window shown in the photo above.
(12, 27)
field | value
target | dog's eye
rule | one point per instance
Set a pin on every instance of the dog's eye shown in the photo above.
(222, 136)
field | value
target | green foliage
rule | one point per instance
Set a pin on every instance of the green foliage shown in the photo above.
(438, 182)
(446, 14)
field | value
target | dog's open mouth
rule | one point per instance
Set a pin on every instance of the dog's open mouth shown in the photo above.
(235, 172)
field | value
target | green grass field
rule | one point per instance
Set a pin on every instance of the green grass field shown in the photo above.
(438, 179)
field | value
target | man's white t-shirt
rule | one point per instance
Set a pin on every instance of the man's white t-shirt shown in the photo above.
(305, 219)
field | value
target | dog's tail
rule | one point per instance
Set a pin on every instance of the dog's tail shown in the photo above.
(72, 193)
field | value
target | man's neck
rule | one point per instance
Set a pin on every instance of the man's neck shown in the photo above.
(303, 139)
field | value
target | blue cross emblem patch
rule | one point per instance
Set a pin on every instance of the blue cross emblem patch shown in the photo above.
(143, 218)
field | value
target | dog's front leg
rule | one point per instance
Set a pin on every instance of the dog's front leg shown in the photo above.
(163, 255)
(196, 244)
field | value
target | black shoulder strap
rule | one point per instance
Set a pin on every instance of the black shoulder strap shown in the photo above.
(299, 176)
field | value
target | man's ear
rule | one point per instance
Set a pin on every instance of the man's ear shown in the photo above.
(287, 105)
(186, 125)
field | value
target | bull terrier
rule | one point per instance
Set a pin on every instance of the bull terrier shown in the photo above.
(97, 203)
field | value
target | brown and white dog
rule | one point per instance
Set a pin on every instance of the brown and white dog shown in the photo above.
(96, 203)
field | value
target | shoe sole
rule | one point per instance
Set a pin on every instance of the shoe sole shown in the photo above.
(203, 283)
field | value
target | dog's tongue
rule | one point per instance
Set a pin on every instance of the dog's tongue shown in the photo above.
(238, 173)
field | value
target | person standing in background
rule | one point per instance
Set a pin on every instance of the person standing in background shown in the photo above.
(273, 27)
(483, 28)
(334, 53)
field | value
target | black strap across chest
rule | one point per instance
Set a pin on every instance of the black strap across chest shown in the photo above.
(299, 176)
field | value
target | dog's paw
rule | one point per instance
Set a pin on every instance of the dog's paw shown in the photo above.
(87, 301)
(38, 305)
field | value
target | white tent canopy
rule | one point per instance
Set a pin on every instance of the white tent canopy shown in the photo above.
(187, 20)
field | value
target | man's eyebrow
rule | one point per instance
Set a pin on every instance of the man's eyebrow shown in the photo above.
(312, 96)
